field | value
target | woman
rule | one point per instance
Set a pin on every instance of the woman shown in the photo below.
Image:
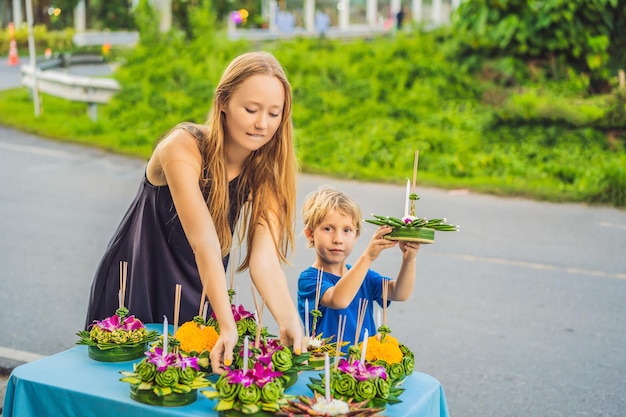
(179, 229)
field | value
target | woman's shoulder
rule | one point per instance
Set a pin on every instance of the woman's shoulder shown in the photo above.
(197, 131)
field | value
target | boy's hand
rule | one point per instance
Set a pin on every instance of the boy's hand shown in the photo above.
(409, 250)
(378, 243)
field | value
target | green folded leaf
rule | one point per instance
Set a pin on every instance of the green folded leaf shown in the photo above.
(224, 405)
(210, 394)
(162, 391)
(181, 388)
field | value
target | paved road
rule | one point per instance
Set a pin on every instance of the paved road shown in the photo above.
(522, 313)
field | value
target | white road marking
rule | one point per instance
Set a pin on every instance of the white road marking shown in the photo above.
(615, 225)
(535, 265)
(35, 150)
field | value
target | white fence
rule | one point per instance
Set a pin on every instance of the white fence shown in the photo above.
(90, 90)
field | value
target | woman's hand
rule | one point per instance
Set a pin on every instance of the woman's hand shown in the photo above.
(222, 353)
(293, 335)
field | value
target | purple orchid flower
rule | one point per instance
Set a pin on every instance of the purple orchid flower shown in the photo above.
(109, 324)
(162, 362)
(190, 361)
(240, 313)
(236, 376)
(263, 375)
(132, 323)
(361, 371)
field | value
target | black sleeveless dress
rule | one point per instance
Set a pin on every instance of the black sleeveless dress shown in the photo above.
(151, 239)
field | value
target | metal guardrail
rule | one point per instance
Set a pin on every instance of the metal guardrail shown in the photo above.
(90, 90)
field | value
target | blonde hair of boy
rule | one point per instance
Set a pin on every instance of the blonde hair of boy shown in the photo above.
(325, 199)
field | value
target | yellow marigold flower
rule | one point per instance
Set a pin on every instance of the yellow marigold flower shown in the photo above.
(388, 350)
(194, 337)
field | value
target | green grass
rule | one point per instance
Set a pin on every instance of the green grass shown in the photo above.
(62, 120)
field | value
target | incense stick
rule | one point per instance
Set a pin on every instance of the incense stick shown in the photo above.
(259, 312)
(360, 317)
(177, 295)
(385, 297)
(341, 327)
(123, 274)
(232, 267)
(417, 154)
(202, 297)
(318, 288)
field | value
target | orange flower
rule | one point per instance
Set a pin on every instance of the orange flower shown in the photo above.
(387, 350)
(195, 337)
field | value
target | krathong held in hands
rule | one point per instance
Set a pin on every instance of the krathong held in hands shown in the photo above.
(412, 227)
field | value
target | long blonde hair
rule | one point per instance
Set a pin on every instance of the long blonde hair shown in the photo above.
(269, 173)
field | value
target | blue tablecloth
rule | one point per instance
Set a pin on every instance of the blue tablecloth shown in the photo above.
(71, 384)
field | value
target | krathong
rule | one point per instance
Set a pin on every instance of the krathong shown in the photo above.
(385, 350)
(319, 406)
(256, 384)
(124, 336)
(364, 383)
(411, 227)
(197, 338)
(165, 378)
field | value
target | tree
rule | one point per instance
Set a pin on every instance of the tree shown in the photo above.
(586, 35)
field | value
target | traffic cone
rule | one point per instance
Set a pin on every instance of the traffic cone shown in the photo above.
(13, 58)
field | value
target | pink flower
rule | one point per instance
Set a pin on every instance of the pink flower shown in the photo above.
(131, 323)
(109, 324)
(188, 361)
(361, 371)
(262, 375)
(236, 376)
(161, 361)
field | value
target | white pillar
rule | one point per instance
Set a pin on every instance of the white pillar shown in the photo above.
(18, 17)
(164, 8)
(344, 14)
(395, 8)
(309, 15)
(372, 12)
(273, 9)
(80, 17)
(416, 11)
(437, 12)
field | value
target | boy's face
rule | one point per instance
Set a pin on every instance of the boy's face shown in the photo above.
(333, 238)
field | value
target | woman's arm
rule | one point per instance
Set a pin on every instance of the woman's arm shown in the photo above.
(179, 159)
(271, 282)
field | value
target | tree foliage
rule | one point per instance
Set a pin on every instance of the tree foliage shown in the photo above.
(586, 35)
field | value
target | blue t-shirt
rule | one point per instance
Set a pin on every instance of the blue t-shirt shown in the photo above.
(371, 290)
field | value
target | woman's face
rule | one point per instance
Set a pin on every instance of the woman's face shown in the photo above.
(254, 113)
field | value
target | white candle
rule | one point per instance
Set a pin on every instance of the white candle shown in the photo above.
(165, 331)
(327, 376)
(379, 319)
(245, 355)
(364, 346)
(408, 194)
(306, 317)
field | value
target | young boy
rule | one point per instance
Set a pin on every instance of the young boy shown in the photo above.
(332, 224)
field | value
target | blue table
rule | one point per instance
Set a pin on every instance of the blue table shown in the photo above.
(71, 384)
